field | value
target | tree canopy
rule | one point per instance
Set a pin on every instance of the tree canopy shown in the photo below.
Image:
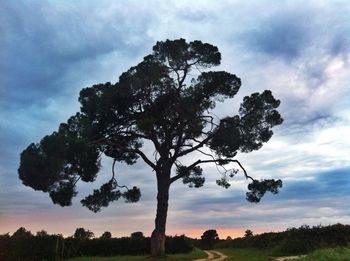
(81, 233)
(209, 238)
(106, 235)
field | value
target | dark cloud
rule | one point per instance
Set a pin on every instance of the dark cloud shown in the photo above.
(283, 35)
(341, 43)
(291, 32)
(333, 183)
(41, 42)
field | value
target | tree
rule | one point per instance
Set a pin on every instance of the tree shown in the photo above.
(81, 233)
(136, 235)
(22, 232)
(106, 235)
(209, 238)
(248, 233)
(42, 233)
(155, 103)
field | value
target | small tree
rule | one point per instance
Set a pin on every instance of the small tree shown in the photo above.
(81, 233)
(209, 238)
(42, 233)
(136, 235)
(155, 103)
(22, 232)
(106, 235)
(248, 233)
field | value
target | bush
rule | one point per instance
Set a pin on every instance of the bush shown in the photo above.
(54, 247)
(177, 244)
(30, 248)
(295, 240)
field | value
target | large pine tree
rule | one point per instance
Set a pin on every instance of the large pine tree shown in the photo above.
(154, 101)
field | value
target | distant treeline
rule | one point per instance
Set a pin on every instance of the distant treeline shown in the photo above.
(23, 246)
(27, 247)
(294, 240)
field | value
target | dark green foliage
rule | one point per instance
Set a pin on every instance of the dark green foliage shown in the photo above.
(259, 188)
(136, 235)
(53, 164)
(106, 235)
(102, 197)
(209, 239)
(22, 232)
(248, 233)
(81, 233)
(191, 176)
(31, 248)
(132, 195)
(55, 247)
(179, 54)
(295, 241)
(227, 140)
(62, 192)
(223, 183)
(178, 244)
(258, 114)
(42, 233)
(250, 129)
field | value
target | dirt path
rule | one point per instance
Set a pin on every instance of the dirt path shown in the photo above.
(211, 256)
(285, 258)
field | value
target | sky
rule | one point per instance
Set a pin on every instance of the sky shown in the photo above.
(300, 50)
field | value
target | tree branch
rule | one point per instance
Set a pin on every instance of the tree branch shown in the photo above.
(137, 151)
(199, 145)
(212, 161)
(114, 179)
(145, 159)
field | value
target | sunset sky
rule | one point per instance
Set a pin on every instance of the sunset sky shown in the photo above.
(300, 50)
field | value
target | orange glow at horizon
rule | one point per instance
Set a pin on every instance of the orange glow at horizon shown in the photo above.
(223, 232)
(57, 224)
(233, 232)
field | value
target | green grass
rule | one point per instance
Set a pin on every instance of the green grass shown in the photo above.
(332, 254)
(196, 253)
(250, 254)
(247, 254)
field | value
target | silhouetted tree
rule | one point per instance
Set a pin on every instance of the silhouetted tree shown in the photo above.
(209, 238)
(248, 233)
(81, 233)
(22, 232)
(106, 235)
(228, 238)
(42, 233)
(155, 103)
(137, 234)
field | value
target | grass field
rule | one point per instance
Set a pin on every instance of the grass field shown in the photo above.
(332, 254)
(196, 253)
(234, 254)
(246, 254)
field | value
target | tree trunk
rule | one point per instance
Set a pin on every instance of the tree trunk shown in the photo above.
(158, 234)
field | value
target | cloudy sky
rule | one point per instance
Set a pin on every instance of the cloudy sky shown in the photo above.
(300, 50)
